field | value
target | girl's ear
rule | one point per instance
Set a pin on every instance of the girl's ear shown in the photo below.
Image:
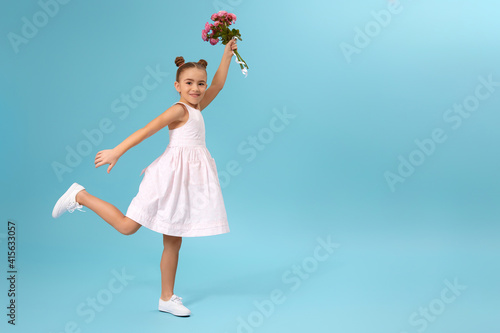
(177, 86)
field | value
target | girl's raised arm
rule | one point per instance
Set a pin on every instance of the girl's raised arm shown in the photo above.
(220, 75)
(111, 156)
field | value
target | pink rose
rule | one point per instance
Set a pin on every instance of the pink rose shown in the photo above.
(222, 13)
(214, 41)
(216, 23)
(233, 17)
(207, 26)
(214, 16)
(204, 35)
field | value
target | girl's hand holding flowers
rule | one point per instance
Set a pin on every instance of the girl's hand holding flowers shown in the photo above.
(230, 47)
(220, 29)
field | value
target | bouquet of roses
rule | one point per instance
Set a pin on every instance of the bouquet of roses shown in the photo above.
(220, 29)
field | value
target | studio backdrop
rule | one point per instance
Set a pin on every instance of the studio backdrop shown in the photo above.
(358, 161)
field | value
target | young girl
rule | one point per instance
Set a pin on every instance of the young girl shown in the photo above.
(179, 195)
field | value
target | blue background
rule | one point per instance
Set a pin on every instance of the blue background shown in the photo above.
(323, 176)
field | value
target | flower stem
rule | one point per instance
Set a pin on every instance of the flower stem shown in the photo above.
(240, 59)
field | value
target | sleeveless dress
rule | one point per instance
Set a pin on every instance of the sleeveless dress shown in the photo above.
(180, 194)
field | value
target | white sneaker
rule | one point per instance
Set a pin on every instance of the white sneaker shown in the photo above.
(67, 201)
(174, 306)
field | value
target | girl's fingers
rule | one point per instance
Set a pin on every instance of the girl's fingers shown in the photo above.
(98, 164)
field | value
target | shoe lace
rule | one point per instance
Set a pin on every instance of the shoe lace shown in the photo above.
(176, 299)
(74, 205)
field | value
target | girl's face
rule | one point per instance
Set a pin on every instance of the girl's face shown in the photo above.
(192, 85)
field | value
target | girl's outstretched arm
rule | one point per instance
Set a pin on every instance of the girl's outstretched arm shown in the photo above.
(220, 75)
(111, 156)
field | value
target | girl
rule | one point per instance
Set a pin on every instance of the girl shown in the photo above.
(179, 195)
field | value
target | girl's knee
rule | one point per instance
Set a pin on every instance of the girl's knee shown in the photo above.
(129, 226)
(128, 231)
(172, 241)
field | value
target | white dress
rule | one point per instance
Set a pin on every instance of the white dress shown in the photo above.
(180, 194)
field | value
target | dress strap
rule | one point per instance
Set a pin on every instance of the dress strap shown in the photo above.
(188, 106)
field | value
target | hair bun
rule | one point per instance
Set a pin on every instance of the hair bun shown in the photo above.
(179, 61)
(203, 62)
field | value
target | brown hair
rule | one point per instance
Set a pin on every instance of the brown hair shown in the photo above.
(179, 62)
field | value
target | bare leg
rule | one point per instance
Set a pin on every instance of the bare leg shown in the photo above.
(108, 213)
(168, 265)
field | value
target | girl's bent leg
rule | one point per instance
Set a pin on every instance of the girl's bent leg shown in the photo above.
(168, 265)
(108, 213)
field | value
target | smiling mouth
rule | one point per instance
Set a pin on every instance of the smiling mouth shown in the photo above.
(195, 95)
